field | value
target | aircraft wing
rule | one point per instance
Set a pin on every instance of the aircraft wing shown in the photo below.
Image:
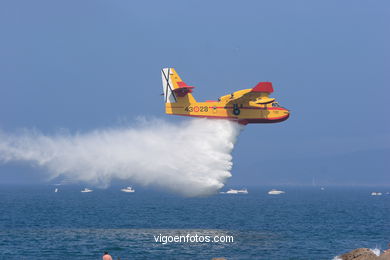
(259, 94)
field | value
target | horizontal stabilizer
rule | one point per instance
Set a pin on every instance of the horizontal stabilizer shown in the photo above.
(183, 89)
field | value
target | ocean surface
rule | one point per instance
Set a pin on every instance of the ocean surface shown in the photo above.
(304, 223)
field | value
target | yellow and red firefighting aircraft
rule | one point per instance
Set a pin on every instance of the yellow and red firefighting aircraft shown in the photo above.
(245, 106)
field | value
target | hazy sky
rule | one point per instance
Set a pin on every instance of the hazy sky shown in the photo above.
(82, 65)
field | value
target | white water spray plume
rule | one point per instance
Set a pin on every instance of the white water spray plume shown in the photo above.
(192, 158)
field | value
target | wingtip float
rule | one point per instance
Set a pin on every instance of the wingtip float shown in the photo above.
(244, 106)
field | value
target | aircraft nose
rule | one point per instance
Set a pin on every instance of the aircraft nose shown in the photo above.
(286, 113)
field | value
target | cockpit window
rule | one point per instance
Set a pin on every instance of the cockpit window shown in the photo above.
(275, 104)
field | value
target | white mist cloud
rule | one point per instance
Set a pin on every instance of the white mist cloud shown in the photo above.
(192, 158)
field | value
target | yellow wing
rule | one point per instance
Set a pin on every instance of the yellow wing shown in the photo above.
(258, 95)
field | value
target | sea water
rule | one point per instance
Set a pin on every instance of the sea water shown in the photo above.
(303, 223)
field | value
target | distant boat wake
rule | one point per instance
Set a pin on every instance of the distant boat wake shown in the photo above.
(192, 158)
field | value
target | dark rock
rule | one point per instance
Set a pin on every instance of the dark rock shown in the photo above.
(384, 256)
(359, 254)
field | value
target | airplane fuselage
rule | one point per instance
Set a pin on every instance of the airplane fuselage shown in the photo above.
(243, 113)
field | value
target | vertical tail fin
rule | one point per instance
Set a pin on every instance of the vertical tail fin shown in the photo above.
(175, 90)
(169, 95)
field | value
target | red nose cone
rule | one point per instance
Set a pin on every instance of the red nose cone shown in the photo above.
(263, 87)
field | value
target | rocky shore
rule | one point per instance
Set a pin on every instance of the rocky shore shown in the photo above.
(364, 254)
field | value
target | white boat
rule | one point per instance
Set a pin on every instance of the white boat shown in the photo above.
(56, 190)
(232, 191)
(86, 190)
(376, 193)
(128, 189)
(275, 192)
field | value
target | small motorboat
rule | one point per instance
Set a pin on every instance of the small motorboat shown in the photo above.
(376, 193)
(56, 190)
(232, 191)
(128, 189)
(275, 192)
(86, 190)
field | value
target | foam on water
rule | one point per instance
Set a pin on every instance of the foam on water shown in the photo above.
(376, 251)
